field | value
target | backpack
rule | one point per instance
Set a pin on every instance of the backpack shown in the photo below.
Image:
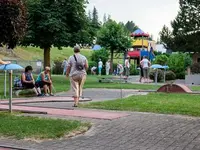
(17, 82)
(79, 65)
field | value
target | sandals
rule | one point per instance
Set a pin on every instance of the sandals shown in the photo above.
(75, 105)
(51, 94)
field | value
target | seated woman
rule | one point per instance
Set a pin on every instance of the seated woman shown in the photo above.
(28, 81)
(4, 62)
(44, 81)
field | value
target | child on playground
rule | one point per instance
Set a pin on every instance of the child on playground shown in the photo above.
(121, 69)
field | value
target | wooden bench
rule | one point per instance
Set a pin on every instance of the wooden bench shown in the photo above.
(18, 90)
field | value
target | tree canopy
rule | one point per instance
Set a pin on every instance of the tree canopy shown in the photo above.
(113, 36)
(186, 28)
(54, 23)
(131, 26)
(13, 21)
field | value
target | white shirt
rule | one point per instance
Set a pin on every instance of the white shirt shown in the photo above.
(72, 64)
(107, 65)
(145, 63)
(127, 64)
(93, 68)
(65, 63)
(100, 64)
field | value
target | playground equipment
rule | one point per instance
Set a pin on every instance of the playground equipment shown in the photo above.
(174, 88)
(142, 46)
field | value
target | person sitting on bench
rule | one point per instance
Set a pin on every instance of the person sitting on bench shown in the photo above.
(44, 81)
(4, 62)
(28, 81)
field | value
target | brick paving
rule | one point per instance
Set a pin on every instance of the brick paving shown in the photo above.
(137, 131)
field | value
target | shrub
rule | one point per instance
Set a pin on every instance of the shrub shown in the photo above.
(134, 70)
(161, 59)
(178, 64)
(57, 69)
(152, 75)
(170, 75)
(102, 54)
(195, 68)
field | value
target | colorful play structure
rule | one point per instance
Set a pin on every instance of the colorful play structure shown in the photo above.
(142, 46)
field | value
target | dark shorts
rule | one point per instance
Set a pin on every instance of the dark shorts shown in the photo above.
(41, 84)
(141, 72)
(28, 85)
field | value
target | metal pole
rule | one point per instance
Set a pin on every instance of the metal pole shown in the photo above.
(164, 75)
(5, 83)
(156, 76)
(10, 91)
(121, 86)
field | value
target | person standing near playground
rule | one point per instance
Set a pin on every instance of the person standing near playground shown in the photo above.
(107, 67)
(76, 70)
(145, 63)
(127, 67)
(64, 66)
(100, 66)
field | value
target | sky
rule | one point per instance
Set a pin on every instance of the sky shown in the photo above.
(149, 15)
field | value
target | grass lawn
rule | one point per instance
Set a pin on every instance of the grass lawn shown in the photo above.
(34, 53)
(35, 128)
(62, 84)
(183, 104)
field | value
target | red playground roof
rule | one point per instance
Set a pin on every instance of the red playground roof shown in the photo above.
(134, 53)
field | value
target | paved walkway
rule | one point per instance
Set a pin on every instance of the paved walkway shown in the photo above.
(139, 131)
(135, 131)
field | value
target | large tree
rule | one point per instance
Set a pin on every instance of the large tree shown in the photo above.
(12, 21)
(113, 37)
(54, 23)
(186, 28)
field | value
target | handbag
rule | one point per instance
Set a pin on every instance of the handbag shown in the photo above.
(79, 65)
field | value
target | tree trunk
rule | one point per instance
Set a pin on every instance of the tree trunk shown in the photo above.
(47, 57)
(111, 60)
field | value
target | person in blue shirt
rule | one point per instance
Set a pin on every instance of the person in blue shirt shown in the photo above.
(44, 81)
(28, 81)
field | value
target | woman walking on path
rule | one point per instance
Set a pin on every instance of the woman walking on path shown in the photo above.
(77, 66)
